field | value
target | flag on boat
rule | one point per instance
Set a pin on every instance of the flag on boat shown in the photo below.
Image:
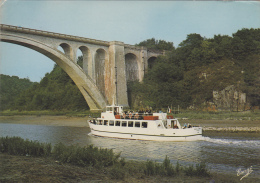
(169, 110)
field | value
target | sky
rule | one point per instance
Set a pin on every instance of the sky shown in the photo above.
(127, 21)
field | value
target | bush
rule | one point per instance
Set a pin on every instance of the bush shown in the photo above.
(19, 146)
(168, 167)
(178, 167)
(150, 168)
(85, 156)
(189, 171)
(153, 168)
(200, 170)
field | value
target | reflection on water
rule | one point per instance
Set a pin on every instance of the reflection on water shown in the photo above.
(223, 152)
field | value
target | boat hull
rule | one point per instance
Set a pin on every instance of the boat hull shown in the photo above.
(188, 134)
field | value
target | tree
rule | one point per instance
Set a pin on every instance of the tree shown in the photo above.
(157, 44)
(56, 91)
(10, 88)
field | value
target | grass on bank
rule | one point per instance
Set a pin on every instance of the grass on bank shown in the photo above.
(50, 113)
(221, 115)
(206, 115)
(99, 158)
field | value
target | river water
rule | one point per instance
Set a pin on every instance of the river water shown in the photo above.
(222, 152)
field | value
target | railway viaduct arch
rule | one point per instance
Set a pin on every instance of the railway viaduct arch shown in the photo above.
(107, 66)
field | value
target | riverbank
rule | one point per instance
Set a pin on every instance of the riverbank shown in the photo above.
(40, 169)
(208, 125)
(45, 120)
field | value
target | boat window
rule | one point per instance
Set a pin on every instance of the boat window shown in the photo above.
(100, 122)
(109, 109)
(111, 123)
(144, 124)
(137, 124)
(117, 123)
(130, 123)
(124, 123)
(105, 122)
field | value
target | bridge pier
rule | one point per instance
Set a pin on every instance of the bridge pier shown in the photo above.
(115, 75)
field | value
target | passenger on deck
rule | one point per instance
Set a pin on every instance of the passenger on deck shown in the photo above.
(185, 125)
(136, 115)
(124, 115)
(189, 125)
(130, 115)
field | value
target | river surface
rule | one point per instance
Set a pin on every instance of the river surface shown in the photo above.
(222, 152)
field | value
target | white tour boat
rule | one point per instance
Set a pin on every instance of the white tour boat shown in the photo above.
(116, 123)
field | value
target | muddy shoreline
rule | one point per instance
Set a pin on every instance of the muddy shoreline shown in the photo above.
(208, 125)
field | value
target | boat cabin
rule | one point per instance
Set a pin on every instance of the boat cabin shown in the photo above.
(115, 116)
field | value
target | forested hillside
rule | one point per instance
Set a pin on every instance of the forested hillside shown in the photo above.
(56, 91)
(10, 88)
(187, 75)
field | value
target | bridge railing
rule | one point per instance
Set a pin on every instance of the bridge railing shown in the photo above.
(67, 37)
(52, 34)
(141, 47)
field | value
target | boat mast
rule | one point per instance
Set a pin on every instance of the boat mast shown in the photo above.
(116, 84)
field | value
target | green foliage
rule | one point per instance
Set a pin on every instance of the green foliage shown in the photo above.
(19, 146)
(81, 156)
(178, 167)
(151, 168)
(200, 170)
(56, 91)
(154, 168)
(157, 44)
(166, 168)
(189, 74)
(11, 87)
(85, 156)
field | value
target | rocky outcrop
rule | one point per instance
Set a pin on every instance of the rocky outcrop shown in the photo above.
(231, 98)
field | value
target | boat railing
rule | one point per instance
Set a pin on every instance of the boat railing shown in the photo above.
(132, 115)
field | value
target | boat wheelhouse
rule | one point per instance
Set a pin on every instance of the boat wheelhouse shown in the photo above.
(116, 123)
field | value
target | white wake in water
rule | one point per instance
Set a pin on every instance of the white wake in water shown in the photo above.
(235, 142)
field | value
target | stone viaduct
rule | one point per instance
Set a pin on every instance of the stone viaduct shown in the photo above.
(107, 66)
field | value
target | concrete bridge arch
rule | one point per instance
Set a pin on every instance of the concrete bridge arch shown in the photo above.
(91, 93)
(151, 61)
(106, 67)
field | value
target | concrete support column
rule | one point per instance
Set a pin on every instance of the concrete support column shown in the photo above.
(144, 63)
(85, 63)
(74, 55)
(115, 80)
(91, 64)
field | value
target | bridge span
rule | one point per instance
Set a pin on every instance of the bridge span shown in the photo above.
(107, 66)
